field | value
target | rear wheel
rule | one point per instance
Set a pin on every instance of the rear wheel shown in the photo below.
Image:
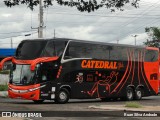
(62, 97)
(129, 94)
(138, 94)
(38, 101)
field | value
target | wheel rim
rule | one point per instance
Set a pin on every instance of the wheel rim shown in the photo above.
(62, 96)
(129, 94)
(139, 94)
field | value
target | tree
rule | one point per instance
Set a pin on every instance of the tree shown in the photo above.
(154, 36)
(81, 5)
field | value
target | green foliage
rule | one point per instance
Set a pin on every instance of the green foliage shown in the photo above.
(81, 5)
(3, 87)
(133, 105)
(154, 35)
(4, 72)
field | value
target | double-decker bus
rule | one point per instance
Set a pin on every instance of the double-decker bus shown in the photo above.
(62, 69)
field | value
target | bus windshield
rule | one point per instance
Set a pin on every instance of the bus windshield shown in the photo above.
(22, 75)
(29, 50)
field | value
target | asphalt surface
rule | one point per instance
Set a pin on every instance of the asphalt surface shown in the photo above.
(77, 109)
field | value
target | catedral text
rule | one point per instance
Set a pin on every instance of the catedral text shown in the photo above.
(98, 64)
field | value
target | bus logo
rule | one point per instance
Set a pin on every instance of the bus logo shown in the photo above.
(79, 78)
(99, 64)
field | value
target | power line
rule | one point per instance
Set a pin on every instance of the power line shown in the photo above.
(17, 35)
(142, 13)
(137, 29)
(16, 32)
(94, 15)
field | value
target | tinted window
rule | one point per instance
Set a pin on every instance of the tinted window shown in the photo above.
(46, 72)
(54, 48)
(78, 50)
(30, 49)
(59, 47)
(100, 52)
(151, 55)
(96, 51)
(49, 49)
(136, 54)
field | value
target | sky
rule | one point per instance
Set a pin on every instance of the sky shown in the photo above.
(102, 25)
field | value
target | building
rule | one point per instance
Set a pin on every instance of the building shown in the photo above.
(6, 52)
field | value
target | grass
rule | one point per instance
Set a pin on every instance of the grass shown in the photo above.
(4, 72)
(133, 105)
(3, 87)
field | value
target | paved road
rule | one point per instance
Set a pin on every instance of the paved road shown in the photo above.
(74, 104)
(7, 104)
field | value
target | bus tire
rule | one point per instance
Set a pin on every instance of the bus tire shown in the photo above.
(62, 96)
(138, 94)
(38, 101)
(129, 94)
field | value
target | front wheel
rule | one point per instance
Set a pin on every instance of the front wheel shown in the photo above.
(62, 97)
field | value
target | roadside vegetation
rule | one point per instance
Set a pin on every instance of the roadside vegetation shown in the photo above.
(3, 87)
(4, 72)
(133, 105)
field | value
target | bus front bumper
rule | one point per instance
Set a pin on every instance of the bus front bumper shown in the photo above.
(31, 92)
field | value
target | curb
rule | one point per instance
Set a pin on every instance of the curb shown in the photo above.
(123, 108)
(4, 94)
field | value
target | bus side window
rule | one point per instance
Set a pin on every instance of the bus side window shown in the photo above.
(151, 55)
(67, 54)
(114, 52)
(121, 53)
(49, 49)
(59, 47)
(75, 50)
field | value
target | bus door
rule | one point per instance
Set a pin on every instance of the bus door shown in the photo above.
(47, 77)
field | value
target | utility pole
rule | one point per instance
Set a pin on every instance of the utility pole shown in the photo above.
(135, 38)
(54, 34)
(41, 23)
(117, 41)
(40, 28)
(11, 43)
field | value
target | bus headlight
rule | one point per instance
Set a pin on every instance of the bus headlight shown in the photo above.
(33, 89)
(24, 91)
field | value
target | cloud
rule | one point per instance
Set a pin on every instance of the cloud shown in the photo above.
(101, 25)
(141, 37)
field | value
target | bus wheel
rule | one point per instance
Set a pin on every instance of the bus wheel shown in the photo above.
(129, 94)
(138, 94)
(62, 96)
(38, 101)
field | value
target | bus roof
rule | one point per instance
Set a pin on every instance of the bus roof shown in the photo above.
(88, 41)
